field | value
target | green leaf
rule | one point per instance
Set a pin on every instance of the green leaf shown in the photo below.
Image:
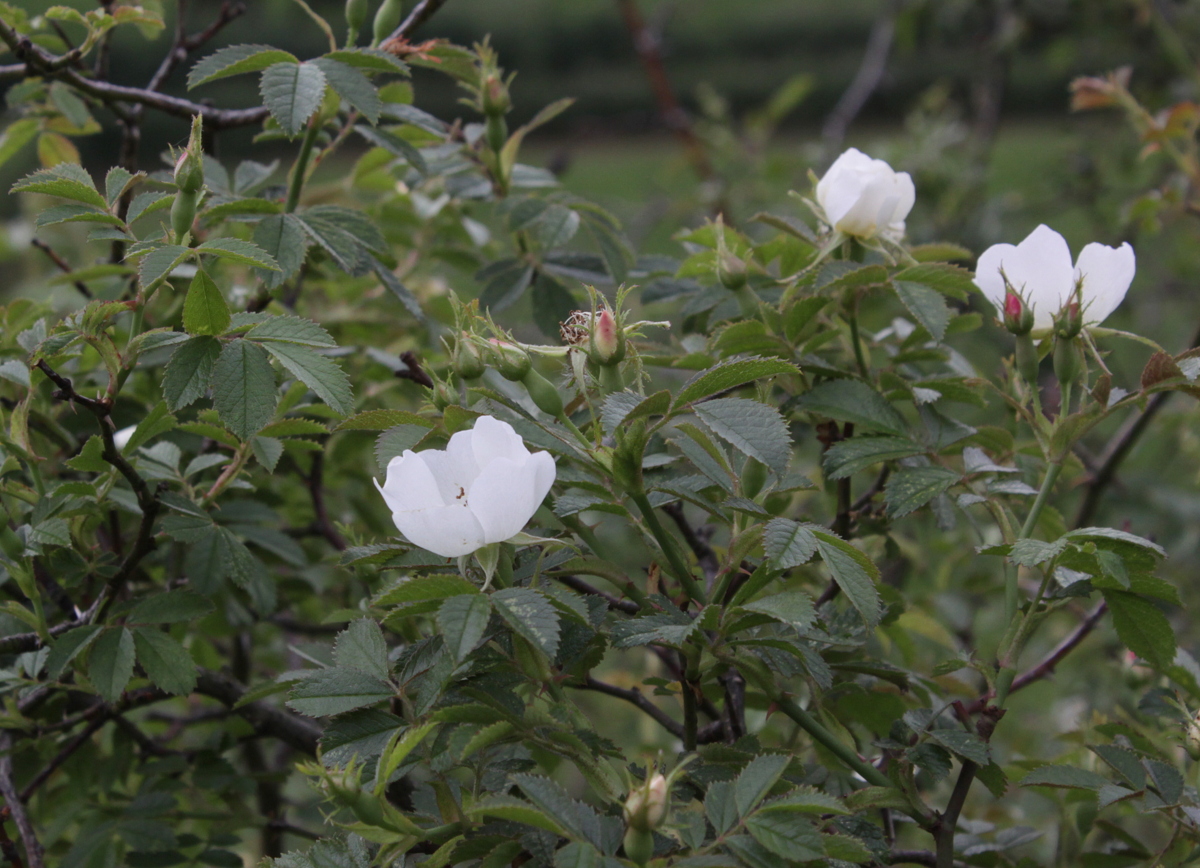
(552, 305)
(662, 628)
(239, 251)
(388, 278)
(110, 665)
(324, 376)
(1034, 552)
(853, 401)
(204, 310)
(171, 607)
(235, 60)
(463, 620)
(190, 370)
(966, 745)
(847, 457)
(530, 615)
(720, 807)
(1114, 535)
(336, 691)
(516, 811)
(1067, 777)
(423, 588)
(806, 800)
(730, 375)
(370, 59)
(787, 835)
(282, 237)
(292, 92)
(854, 573)
(267, 451)
(292, 330)
(787, 543)
(361, 647)
(380, 420)
(750, 427)
(756, 780)
(166, 662)
(352, 86)
(910, 488)
(1143, 627)
(926, 305)
(949, 279)
(551, 798)
(74, 213)
(244, 388)
(116, 182)
(791, 607)
(158, 264)
(65, 181)
(68, 646)
(16, 136)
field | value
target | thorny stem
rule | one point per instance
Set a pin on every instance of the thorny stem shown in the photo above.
(665, 542)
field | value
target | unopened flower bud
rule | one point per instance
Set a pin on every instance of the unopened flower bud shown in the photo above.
(646, 807)
(509, 359)
(387, 19)
(545, 396)
(731, 271)
(1018, 318)
(1069, 321)
(496, 100)
(1027, 359)
(442, 395)
(1067, 362)
(468, 360)
(606, 339)
(356, 17)
(189, 167)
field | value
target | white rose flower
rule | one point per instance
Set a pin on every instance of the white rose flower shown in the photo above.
(122, 437)
(482, 489)
(865, 197)
(1039, 270)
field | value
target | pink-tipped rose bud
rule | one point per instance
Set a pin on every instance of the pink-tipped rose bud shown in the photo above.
(1018, 318)
(606, 343)
(1069, 321)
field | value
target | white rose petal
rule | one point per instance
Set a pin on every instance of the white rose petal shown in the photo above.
(483, 488)
(865, 197)
(1039, 269)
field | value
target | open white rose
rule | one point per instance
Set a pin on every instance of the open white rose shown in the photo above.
(1039, 270)
(865, 197)
(482, 489)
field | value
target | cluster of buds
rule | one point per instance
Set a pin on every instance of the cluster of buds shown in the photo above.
(1068, 357)
(492, 99)
(189, 178)
(1018, 319)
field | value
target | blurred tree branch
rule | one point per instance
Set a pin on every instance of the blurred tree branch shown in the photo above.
(866, 80)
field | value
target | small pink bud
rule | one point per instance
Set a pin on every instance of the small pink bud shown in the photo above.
(1018, 318)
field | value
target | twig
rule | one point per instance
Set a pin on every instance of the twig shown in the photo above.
(63, 266)
(16, 808)
(634, 697)
(866, 80)
(413, 370)
(292, 729)
(916, 857)
(316, 490)
(649, 51)
(421, 13)
(76, 742)
(577, 584)
(944, 833)
(288, 828)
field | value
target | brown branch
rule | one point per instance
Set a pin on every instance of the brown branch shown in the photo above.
(866, 80)
(413, 370)
(63, 266)
(77, 741)
(16, 808)
(634, 697)
(577, 584)
(943, 834)
(421, 13)
(292, 729)
(649, 51)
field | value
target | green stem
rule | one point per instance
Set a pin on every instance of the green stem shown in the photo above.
(690, 586)
(827, 739)
(1043, 495)
(854, 339)
(585, 533)
(296, 185)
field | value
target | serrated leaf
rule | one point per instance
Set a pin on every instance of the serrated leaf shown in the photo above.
(110, 665)
(352, 86)
(926, 305)
(204, 310)
(65, 181)
(854, 573)
(68, 646)
(910, 488)
(847, 457)
(239, 251)
(807, 801)
(370, 59)
(531, 616)
(966, 745)
(423, 588)
(786, 835)
(516, 811)
(853, 401)
(166, 662)
(756, 780)
(158, 264)
(243, 387)
(1067, 777)
(267, 451)
(943, 277)
(463, 620)
(292, 330)
(324, 376)
(335, 691)
(791, 607)
(750, 427)
(361, 647)
(282, 237)
(1142, 627)
(234, 60)
(292, 93)
(730, 375)
(170, 607)
(788, 543)
(189, 372)
(659, 628)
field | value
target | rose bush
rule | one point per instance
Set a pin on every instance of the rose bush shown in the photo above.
(808, 535)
